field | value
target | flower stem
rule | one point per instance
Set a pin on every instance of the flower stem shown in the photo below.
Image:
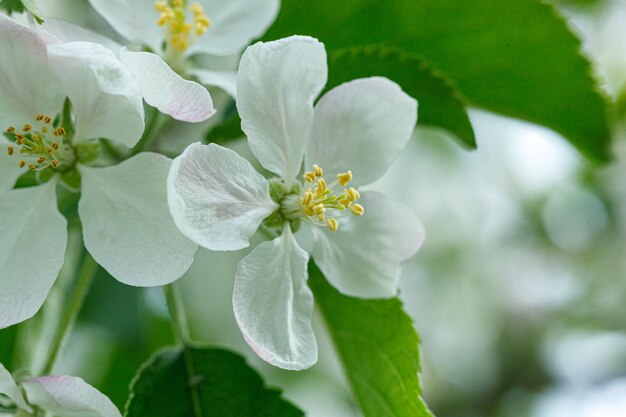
(148, 133)
(85, 278)
(180, 326)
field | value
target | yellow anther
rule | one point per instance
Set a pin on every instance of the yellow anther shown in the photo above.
(357, 209)
(39, 117)
(332, 224)
(54, 145)
(19, 139)
(344, 178)
(10, 129)
(54, 163)
(307, 198)
(319, 209)
(318, 171)
(178, 3)
(10, 150)
(32, 167)
(345, 202)
(321, 217)
(27, 128)
(41, 160)
(309, 176)
(22, 164)
(47, 119)
(321, 187)
(59, 131)
(44, 129)
(353, 194)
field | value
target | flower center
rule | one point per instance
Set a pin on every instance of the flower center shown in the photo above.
(180, 33)
(40, 145)
(319, 204)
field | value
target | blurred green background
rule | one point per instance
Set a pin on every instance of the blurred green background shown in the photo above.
(518, 293)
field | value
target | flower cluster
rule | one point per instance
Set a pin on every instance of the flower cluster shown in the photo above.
(142, 215)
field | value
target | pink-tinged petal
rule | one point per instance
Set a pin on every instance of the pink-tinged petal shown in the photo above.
(362, 126)
(277, 83)
(127, 226)
(234, 24)
(33, 237)
(390, 230)
(216, 197)
(273, 305)
(105, 96)
(167, 91)
(27, 87)
(133, 19)
(68, 396)
(9, 388)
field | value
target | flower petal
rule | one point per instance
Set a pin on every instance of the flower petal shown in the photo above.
(363, 257)
(362, 126)
(167, 91)
(33, 237)
(27, 87)
(127, 226)
(9, 169)
(276, 86)
(133, 19)
(68, 396)
(65, 32)
(273, 304)
(9, 388)
(105, 96)
(216, 197)
(226, 80)
(234, 24)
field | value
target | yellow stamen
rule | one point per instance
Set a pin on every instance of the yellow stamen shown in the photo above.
(11, 129)
(353, 194)
(10, 150)
(309, 176)
(357, 209)
(27, 128)
(22, 164)
(318, 171)
(344, 178)
(332, 224)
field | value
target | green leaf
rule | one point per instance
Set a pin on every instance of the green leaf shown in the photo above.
(229, 129)
(12, 6)
(19, 6)
(440, 104)
(379, 348)
(514, 57)
(203, 382)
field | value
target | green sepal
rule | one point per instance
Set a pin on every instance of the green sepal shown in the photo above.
(87, 152)
(45, 175)
(67, 121)
(71, 179)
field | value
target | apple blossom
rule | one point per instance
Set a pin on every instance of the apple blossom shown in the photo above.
(357, 238)
(63, 396)
(125, 220)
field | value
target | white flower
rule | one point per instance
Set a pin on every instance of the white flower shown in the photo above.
(179, 32)
(123, 209)
(352, 135)
(63, 396)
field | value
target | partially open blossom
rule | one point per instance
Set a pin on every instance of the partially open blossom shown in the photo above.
(348, 140)
(123, 210)
(62, 396)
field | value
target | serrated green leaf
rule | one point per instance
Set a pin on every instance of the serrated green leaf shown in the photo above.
(379, 348)
(203, 382)
(440, 104)
(514, 57)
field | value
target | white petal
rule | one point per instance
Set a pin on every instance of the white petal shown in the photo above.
(276, 86)
(226, 80)
(33, 237)
(133, 19)
(127, 226)
(9, 169)
(363, 126)
(105, 96)
(234, 24)
(216, 197)
(167, 91)
(27, 87)
(65, 31)
(363, 258)
(273, 305)
(9, 388)
(68, 396)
